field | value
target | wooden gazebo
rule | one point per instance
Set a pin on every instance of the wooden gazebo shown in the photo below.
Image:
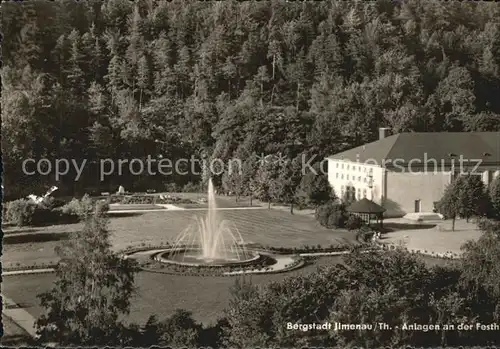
(367, 210)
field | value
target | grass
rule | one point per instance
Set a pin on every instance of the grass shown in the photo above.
(34, 238)
(161, 294)
(266, 227)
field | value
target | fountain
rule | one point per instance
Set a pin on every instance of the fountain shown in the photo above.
(209, 240)
(211, 245)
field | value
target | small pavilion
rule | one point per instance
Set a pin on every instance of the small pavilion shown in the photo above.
(368, 211)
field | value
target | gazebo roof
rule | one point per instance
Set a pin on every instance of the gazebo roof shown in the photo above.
(365, 206)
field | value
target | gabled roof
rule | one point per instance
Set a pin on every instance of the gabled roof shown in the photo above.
(365, 206)
(442, 146)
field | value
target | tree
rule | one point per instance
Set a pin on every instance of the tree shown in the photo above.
(76, 75)
(314, 189)
(465, 197)
(261, 183)
(152, 332)
(247, 317)
(256, 314)
(283, 187)
(449, 204)
(494, 192)
(384, 287)
(457, 97)
(143, 79)
(232, 182)
(180, 330)
(249, 169)
(481, 259)
(220, 78)
(474, 197)
(93, 288)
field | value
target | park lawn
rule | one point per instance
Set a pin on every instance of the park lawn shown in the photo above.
(26, 246)
(161, 294)
(156, 293)
(266, 227)
(23, 246)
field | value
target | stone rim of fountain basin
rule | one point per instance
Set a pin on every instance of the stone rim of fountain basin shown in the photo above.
(163, 257)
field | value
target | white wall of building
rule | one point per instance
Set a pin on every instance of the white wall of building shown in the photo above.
(343, 174)
(404, 188)
(396, 191)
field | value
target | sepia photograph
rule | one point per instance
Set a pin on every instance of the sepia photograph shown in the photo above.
(250, 174)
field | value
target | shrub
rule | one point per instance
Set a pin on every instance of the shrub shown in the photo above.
(192, 188)
(336, 220)
(365, 233)
(84, 207)
(172, 188)
(79, 207)
(43, 216)
(24, 212)
(331, 215)
(354, 222)
(20, 212)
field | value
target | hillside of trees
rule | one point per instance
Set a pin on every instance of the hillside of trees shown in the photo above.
(121, 79)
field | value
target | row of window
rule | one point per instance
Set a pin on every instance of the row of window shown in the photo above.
(349, 192)
(353, 167)
(352, 177)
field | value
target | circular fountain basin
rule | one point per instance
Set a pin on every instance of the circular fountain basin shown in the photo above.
(194, 257)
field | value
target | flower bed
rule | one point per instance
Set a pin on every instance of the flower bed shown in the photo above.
(449, 255)
(148, 199)
(33, 266)
(205, 270)
(316, 249)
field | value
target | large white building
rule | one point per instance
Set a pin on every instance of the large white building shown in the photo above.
(408, 172)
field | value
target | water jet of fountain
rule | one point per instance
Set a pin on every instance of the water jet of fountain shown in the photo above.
(219, 240)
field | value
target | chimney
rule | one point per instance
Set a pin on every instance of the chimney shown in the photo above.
(382, 132)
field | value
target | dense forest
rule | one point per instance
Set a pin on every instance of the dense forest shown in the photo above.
(121, 79)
